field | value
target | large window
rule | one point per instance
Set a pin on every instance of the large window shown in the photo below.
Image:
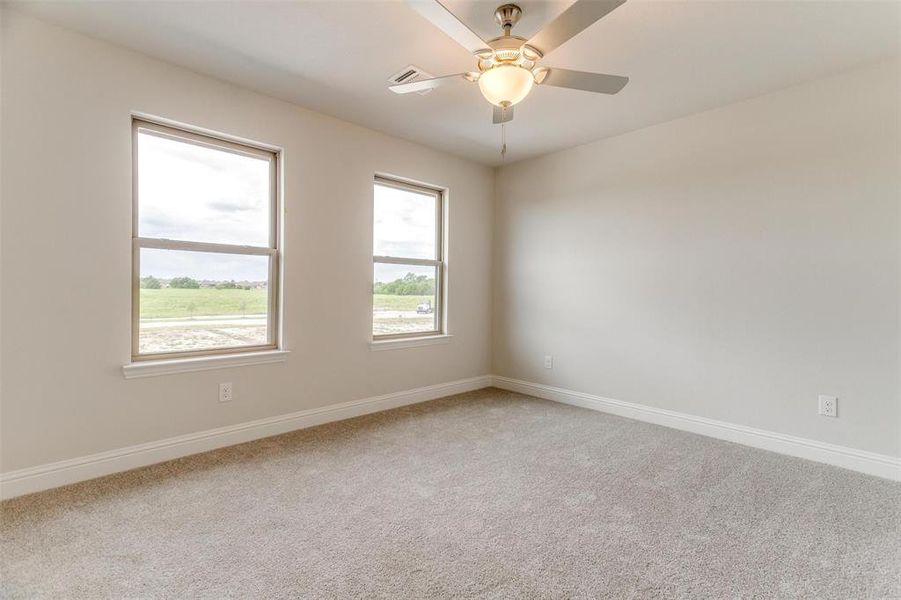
(205, 245)
(408, 260)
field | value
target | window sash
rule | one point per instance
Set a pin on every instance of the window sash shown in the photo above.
(207, 141)
(167, 244)
(439, 305)
(399, 260)
(439, 210)
(273, 317)
(438, 262)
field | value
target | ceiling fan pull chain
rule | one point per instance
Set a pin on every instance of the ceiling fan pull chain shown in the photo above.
(503, 141)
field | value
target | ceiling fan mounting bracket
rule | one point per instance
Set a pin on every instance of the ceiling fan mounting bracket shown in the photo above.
(507, 16)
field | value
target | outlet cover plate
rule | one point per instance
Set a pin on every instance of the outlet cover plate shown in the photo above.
(828, 406)
(225, 392)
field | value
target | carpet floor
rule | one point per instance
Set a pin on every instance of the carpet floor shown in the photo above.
(489, 494)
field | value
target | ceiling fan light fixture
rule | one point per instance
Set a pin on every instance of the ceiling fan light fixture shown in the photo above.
(506, 84)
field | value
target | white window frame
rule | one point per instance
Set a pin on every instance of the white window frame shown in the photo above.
(272, 250)
(439, 262)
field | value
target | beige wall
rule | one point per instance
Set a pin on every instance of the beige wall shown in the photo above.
(66, 229)
(733, 264)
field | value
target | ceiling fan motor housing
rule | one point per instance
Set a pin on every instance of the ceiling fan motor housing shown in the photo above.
(508, 49)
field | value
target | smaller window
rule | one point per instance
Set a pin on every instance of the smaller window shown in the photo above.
(205, 245)
(408, 260)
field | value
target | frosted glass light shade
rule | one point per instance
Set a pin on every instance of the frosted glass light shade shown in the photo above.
(505, 85)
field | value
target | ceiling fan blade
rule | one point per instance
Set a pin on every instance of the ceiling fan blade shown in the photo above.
(581, 80)
(574, 19)
(502, 115)
(447, 22)
(427, 84)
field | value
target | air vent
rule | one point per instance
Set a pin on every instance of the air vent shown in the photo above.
(408, 74)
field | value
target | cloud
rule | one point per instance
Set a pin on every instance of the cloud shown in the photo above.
(195, 193)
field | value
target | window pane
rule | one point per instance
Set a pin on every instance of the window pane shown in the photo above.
(404, 299)
(200, 194)
(404, 223)
(202, 301)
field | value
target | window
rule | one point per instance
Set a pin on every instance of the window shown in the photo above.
(205, 245)
(408, 260)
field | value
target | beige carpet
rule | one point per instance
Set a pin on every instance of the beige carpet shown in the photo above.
(489, 494)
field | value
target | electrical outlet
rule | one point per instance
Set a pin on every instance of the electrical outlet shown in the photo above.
(548, 361)
(225, 392)
(828, 406)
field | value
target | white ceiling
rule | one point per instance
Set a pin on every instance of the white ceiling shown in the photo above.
(335, 57)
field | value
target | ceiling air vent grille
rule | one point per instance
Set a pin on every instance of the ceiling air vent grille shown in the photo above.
(408, 74)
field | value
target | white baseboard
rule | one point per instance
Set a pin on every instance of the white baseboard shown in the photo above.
(43, 477)
(880, 465)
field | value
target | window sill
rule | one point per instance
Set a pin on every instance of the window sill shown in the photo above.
(413, 342)
(154, 368)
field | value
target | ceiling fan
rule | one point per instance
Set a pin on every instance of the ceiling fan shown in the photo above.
(507, 65)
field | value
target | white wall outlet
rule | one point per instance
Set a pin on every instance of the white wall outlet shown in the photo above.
(548, 361)
(225, 392)
(828, 406)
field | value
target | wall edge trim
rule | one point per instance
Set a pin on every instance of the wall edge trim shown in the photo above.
(51, 475)
(870, 463)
